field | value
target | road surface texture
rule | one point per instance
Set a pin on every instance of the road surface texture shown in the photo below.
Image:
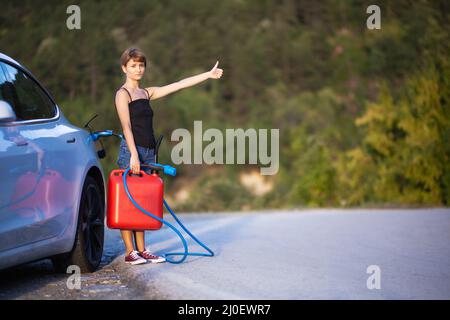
(304, 254)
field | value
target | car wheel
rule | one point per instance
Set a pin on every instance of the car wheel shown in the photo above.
(88, 248)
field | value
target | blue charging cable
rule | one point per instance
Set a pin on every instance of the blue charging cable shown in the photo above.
(171, 171)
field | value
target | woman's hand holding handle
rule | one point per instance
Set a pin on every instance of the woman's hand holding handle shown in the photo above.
(135, 165)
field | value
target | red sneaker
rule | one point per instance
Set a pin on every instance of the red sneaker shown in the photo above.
(134, 258)
(150, 257)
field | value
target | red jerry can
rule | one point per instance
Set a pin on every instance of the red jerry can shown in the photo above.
(146, 189)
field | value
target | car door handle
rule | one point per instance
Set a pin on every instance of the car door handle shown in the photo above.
(70, 140)
(22, 143)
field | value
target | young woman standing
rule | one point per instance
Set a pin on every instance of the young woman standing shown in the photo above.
(136, 117)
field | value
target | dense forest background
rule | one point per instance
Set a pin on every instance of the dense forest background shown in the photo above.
(364, 115)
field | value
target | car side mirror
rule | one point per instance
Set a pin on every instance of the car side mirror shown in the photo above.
(7, 113)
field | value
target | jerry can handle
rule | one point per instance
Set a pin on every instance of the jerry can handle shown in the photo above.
(169, 170)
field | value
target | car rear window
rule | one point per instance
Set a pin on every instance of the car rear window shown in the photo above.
(26, 97)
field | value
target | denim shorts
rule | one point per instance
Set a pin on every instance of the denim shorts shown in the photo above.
(146, 156)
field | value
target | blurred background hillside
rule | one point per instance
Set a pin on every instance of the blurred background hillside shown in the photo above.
(364, 115)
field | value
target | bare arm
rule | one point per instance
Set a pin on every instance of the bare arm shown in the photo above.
(124, 116)
(159, 92)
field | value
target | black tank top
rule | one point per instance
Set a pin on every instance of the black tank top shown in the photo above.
(141, 118)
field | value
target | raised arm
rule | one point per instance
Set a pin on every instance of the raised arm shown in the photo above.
(159, 92)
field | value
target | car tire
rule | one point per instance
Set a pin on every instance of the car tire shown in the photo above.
(88, 247)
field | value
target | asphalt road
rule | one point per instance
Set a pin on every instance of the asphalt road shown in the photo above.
(305, 254)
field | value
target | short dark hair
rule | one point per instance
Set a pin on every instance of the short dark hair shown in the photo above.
(135, 54)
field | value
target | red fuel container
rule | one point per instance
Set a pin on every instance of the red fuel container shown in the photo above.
(146, 189)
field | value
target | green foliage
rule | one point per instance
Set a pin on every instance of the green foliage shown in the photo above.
(404, 156)
(314, 176)
(312, 143)
(406, 152)
(218, 193)
(363, 114)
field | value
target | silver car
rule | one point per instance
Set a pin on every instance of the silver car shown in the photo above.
(52, 188)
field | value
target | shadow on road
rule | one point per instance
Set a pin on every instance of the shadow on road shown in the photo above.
(38, 280)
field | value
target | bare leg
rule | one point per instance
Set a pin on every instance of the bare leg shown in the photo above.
(139, 237)
(127, 236)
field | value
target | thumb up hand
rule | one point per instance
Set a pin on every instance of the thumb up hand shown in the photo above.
(215, 72)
